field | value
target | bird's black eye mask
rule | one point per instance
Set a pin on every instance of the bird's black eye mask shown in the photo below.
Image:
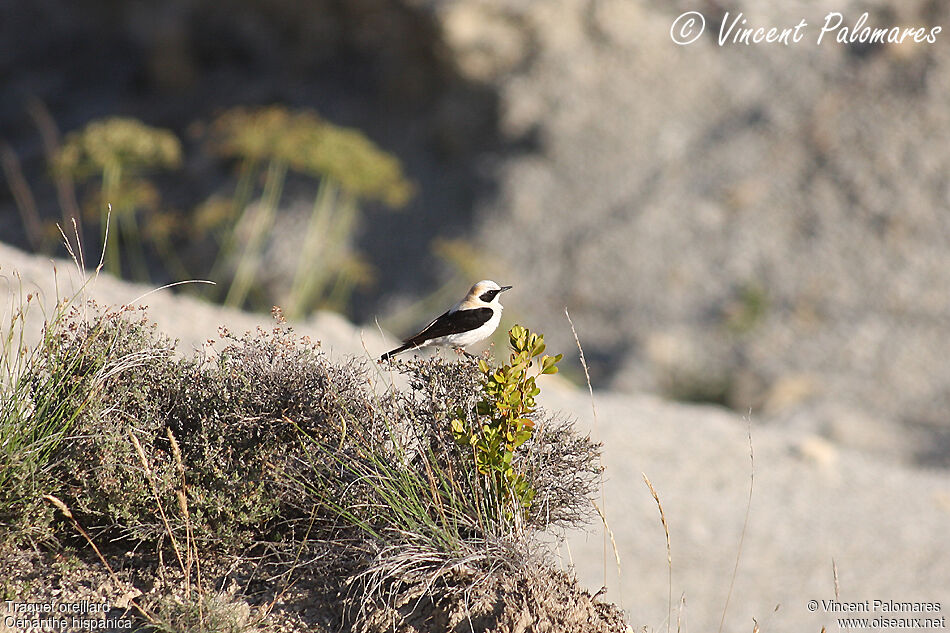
(489, 295)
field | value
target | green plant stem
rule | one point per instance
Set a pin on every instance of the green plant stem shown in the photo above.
(308, 274)
(228, 237)
(346, 275)
(244, 186)
(111, 177)
(133, 245)
(246, 272)
(326, 273)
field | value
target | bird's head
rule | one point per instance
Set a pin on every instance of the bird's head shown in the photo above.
(487, 291)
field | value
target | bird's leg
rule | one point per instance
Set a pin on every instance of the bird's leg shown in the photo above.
(460, 352)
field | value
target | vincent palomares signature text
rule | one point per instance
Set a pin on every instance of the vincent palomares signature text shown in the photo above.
(736, 29)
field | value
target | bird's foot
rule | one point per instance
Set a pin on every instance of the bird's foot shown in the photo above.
(461, 352)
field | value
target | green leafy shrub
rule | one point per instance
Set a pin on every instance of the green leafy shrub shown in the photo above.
(308, 144)
(118, 151)
(349, 168)
(502, 422)
(117, 156)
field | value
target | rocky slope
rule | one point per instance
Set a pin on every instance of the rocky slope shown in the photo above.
(763, 226)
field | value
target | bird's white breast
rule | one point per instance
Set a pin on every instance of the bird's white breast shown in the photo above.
(471, 337)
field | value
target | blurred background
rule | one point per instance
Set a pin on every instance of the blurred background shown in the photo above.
(760, 227)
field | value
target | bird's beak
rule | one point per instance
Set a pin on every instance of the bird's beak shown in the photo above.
(503, 288)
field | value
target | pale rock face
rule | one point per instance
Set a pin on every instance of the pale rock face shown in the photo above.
(746, 214)
(485, 42)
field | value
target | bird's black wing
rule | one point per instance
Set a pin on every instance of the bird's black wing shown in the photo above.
(452, 323)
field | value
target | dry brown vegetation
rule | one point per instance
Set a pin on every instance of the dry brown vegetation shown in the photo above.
(268, 488)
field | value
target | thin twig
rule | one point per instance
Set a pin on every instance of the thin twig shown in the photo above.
(834, 570)
(105, 239)
(267, 608)
(745, 523)
(62, 507)
(22, 195)
(679, 614)
(158, 500)
(183, 505)
(669, 550)
(610, 532)
(65, 187)
(593, 408)
(166, 286)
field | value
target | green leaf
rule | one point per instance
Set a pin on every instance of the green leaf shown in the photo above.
(521, 437)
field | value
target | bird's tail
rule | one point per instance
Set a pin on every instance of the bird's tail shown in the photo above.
(398, 350)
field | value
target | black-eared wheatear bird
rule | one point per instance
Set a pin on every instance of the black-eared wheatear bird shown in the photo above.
(469, 321)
